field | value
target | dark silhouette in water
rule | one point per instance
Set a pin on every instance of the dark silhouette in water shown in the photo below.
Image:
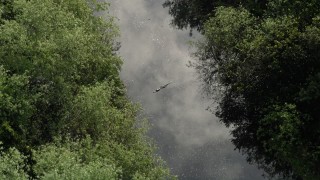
(161, 87)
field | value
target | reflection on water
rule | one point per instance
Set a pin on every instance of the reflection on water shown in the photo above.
(190, 138)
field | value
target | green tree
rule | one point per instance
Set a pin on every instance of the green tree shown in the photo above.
(12, 164)
(115, 129)
(64, 113)
(16, 108)
(194, 13)
(265, 67)
(60, 47)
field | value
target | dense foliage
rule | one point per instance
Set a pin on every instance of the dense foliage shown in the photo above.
(194, 13)
(264, 60)
(63, 109)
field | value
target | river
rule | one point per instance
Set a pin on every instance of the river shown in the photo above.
(190, 138)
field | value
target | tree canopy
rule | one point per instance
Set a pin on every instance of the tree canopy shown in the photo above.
(194, 13)
(64, 113)
(263, 59)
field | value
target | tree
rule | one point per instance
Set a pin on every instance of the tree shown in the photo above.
(266, 68)
(80, 159)
(12, 164)
(194, 13)
(16, 107)
(60, 52)
(63, 108)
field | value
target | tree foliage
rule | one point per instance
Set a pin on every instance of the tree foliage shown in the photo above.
(12, 165)
(59, 78)
(265, 64)
(194, 13)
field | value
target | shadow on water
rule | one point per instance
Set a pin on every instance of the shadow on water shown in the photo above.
(191, 140)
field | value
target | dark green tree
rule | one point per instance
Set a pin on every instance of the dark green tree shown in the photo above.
(263, 61)
(194, 13)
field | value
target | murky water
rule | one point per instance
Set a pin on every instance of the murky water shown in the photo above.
(190, 138)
